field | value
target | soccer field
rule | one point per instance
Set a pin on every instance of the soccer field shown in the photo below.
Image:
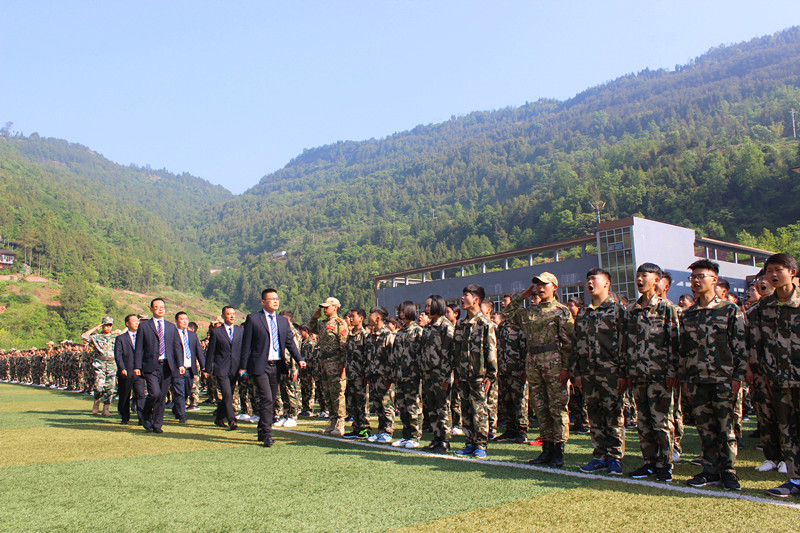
(62, 469)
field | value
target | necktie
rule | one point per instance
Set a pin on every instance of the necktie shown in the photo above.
(273, 332)
(230, 333)
(134, 339)
(186, 348)
(162, 348)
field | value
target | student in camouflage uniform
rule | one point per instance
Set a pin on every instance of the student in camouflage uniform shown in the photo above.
(380, 374)
(453, 313)
(307, 374)
(356, 375)
(405, 359)
(548, 326)
(333, 354)
(713, 364)
(475, 364)
(600, 372)
(289, 383)
(776, 353)
(436, 367)
(102, 362)
(678, 430)
(493, 396)
(653, 344)
(512, 352)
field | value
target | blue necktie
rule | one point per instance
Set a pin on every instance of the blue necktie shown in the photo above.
(273, 332)
(186, 344)
(134, 339)
(230, 333)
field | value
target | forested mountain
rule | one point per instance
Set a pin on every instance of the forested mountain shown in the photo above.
(706, 145)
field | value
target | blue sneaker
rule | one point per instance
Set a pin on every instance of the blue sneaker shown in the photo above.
(479, 453)
(594, 466)
(466, 450)
(614, 468)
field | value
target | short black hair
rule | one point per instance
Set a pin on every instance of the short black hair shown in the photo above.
(380, 310)
(438, 305)
(179, 313)
(475, 290)
(667, 276)
(687, 296)
(226, 308)
(577, 301)
(784, 260)
(456, 309)
(596, 271)
(393, 320)
(724, 284)
(408, 310)
(288, 314)
(193, 326)
(158, 299)
(651, 268)
(360, 312)
(705, 264)
(305, 327)
(267, 291)
(127, 318)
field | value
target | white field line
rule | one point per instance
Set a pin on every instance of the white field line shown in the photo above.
(732, 495)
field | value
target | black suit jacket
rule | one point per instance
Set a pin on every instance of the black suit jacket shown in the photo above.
(255, 348)
(123, 353)
(198, 356)
(222, 355)
(145, 356)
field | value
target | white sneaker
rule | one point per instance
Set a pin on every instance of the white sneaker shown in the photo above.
(399, 443)
(782, 467)
(374, 438)
(290, 423)
(676, 457)
(279, 423)
(767, 466)
(244, 417)
(456, 431)
(411, 443)
(384, 438)
(255, 419)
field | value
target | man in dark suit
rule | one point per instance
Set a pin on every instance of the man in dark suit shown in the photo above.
(222, 358)
(266, 337)
(127, 381)
(157, 344)
(190, 359)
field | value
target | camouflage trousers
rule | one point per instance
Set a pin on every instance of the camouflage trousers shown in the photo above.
(194, 396)
(306, 391)
(786, 402)
(767, 421)
(248, 400)
(407, 397)
(455, 407)
(629, 408)
(436, 398)
(677, 421)
(606, 419)
(513, 401)
(475, 412)
(105, 379)
(319, 388)
(288, 397)
(577, 406)
(712, 407)
(549, 398)
(333, 387)
(738, 410)
(382, 395)
(654, 422)
(492, 400)
(357, 403)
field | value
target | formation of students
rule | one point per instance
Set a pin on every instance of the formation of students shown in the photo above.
(460, 368)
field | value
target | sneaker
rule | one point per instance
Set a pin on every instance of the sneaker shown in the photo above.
(384, 438)
(614, 467)
(351, 434)
(536, 442)
(492, 435)
(255, 419)
(242, 417)
(580, 430)
(704, 478)
(479, 453)
(456, 431)
(522, 438)
(412, 443)
(305, 413)
(373, 438)
(594, 466)
(664, 474)
(192, 408)
(785, 490)
(698, 461)
(730, 481)
(279, 423)
(466, 450)
(322, 414)
(767, 466)
(431, 446)
(506, 437)
(364, 434)
(642, 472)
(399, 443)
(290, 423)
(782, 467)
(441, 447)
(676, 457)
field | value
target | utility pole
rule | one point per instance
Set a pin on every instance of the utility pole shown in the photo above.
(597, 205)
(794, 130)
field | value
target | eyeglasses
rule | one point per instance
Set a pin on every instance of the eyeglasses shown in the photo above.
(699, 276)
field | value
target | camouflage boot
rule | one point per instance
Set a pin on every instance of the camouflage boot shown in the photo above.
(96, 406)
(106, 409)
(330, 427)
(338, 428)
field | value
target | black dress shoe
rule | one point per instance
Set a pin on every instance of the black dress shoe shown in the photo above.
(123, 422)
(442, 447)
(431, 446)
(158, 430)
(182, 421)
(147, 426)
(232, 425)
(221, 423)
(268, 443)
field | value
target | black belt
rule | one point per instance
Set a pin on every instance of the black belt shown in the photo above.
(272, 363)
(533, 350)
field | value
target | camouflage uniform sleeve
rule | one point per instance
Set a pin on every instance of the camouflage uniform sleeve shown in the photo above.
(579, 344)
(565, 334)
(514, 312)
(736, 338)
(313, 325)
(622, 359)
(491, 352)
(674, 340)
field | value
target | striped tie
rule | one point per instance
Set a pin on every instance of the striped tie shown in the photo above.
(273, 332)
(186, 348)
(230, 333)
(162, 347)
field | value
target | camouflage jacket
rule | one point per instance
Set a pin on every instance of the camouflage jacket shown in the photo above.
(436, 349)
(308, 351)
(405, 352)
(512, 349)
(291, 365)
(475, 348)
(548, 328)
(332, 338)
(600, 341)
(712, 343)
(103, 346)
(775, 349)
(653, 340)
(379, 355)
(356, 354)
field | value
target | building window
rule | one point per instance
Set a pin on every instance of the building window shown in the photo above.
(616, 256)
(573, 291)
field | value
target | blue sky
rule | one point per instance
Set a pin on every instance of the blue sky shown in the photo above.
(231, 91)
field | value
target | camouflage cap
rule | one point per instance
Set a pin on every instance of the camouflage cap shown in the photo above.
(545, 277)
(217, 320)
(330, 301)
(107, 320)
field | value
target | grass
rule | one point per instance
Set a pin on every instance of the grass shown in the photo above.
(63, 469)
